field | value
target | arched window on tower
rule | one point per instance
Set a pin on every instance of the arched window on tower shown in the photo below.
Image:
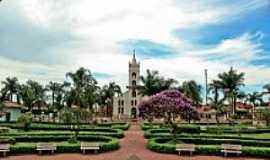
(135, 102)
(133, 93)
(133, 83)
(134, 75)
(131, 102)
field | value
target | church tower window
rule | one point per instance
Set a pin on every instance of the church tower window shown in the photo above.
(132, 102)
(133, 83)
(133, 93)
(134, 75)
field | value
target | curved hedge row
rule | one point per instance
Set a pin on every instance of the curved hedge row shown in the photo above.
(94, 131)
(38, 126)
(152, 133)
(146, 126)
(160, 145)
(197, 130)
(107, 144)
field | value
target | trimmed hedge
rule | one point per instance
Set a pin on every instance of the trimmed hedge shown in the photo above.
(110, 144)
(152, 133)
(56, 136)
(213, 130)
(60, 126)
(160, 145)
(118, 133)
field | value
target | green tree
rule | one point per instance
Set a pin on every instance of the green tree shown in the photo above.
(82, 80)
(192, 90)
(254, 99)
(107, 93)
(230, 82)
(57, 93)
(25, 120)
(10, 88)
(267, 88)
(153, 83)
(266, 116)
(28, 96)
(74, 116)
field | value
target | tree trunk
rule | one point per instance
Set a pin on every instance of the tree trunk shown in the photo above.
(217, 120)
(10, 97)
(253, 113)
(53, 99)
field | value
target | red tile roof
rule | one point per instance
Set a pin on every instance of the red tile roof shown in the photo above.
(9, 104)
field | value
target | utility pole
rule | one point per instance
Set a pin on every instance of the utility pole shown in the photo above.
(206, 87)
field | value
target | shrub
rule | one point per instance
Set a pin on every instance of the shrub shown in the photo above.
(107, 144)
(25, 120)
(161, 145)
(4, 130)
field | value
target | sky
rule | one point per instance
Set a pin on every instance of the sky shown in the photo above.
(42, 40)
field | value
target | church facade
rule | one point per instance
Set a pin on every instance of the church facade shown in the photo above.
(126, 105)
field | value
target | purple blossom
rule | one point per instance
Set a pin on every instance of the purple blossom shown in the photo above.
(165, 103)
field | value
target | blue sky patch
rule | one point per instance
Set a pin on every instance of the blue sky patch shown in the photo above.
(148, 49)
(100, 75)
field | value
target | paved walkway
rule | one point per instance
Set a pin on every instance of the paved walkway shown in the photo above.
(132, 148)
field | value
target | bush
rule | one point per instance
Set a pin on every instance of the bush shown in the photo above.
(107, 144)
(25, 121)
(161, 145)
(188, 129)
(7, 140)
(72, 139)
(89, 131)
(43, 136)
(61, 126)
(4, 130)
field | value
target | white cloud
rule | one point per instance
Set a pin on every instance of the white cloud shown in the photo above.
(101, 24)
(244, 48)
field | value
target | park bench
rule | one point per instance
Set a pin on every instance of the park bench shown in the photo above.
(4, 148)
(46, 147)
(231, 148)
(185, 148)
(89, 146)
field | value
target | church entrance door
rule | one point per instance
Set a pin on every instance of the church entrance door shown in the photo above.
(133, 112)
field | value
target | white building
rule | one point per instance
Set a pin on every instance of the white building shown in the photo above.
(126, 106)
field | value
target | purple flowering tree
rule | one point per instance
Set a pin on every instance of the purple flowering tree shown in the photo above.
(167, 104)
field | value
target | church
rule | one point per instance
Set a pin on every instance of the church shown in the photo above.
(126, 105)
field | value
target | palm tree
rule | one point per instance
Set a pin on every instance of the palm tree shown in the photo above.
(192, 90)
(107, 93)
(216, 102)
(10, 89)
(230, 82)
(214, 88)
(32, 92)
(267, 88)
(38, 89)
(254, 98)
(153, 83)
(53, 87)
(28, 96)
(82, 79)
